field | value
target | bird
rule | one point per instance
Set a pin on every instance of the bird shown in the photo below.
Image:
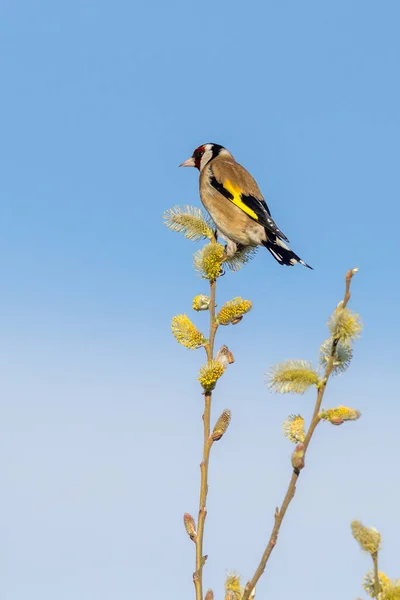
(236, 205)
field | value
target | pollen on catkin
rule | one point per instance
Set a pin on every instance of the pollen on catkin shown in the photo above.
(201, 302)
(190, 221)
(186, 333)
(292, 377)
(232, 310)
(392, 592)
(293, 429)
(209, 375)
(208, 261)
(232, 585)
(369, 538)
(345, 325)
(338, 415)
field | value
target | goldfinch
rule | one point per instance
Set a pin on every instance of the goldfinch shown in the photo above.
(233, 199)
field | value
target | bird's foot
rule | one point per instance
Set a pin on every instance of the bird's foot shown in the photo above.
(230, 249)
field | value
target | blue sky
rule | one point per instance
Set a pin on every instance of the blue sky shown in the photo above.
(100, 428)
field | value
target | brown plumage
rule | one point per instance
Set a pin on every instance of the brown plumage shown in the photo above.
(225, 167)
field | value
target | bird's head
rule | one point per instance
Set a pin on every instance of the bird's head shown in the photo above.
(203, 154)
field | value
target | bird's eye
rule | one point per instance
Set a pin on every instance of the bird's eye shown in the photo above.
(198, 153)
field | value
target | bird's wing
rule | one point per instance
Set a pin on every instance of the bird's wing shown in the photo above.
(237, 185)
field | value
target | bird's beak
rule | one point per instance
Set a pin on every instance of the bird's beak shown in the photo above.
(188, 163)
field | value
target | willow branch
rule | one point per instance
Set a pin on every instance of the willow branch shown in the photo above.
(377, 585)
(200, 559)
(280, 512)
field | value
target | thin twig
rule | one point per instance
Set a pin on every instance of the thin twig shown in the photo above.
(377, 584)
(280, 512)
(200, 559)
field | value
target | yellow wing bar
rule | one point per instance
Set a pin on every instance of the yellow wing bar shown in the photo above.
(236, 192)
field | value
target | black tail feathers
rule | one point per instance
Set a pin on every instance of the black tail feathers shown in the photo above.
(283, 254)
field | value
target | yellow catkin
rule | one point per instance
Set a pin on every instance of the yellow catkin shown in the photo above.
(233, 309)
(293, 429)
(209, 375)
(233, 588)
(392, 592)
(190, 221)
(338, 415)
(186, 333)
(345, 325)
(292, 377)
(368, 538)
(201, 302)
(208, 261)
(385, 584)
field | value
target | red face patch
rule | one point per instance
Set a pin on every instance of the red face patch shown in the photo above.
(197, 156)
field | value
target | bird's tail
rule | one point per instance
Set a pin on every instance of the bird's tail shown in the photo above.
(282, 253)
